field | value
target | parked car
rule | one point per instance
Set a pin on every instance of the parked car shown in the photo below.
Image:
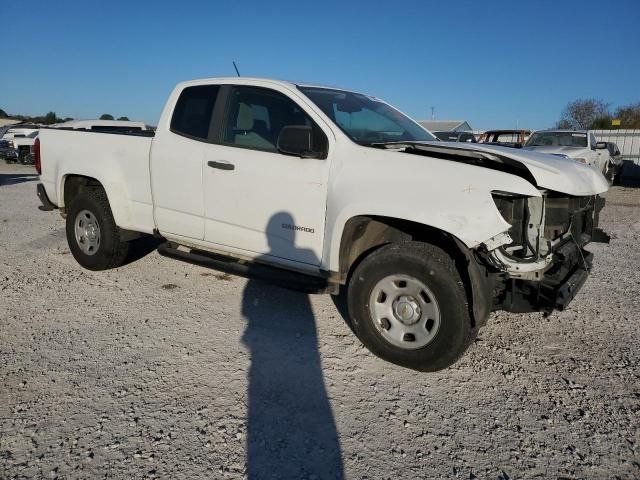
(20, 131)
(579, 145)
(505, 138)
(334, 190)
(455, 136)
(7, 152)
(24, 146)
(123, 126)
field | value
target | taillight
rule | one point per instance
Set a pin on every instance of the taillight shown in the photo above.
(36, 156)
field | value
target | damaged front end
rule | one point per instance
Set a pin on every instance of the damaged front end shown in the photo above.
(540, 263)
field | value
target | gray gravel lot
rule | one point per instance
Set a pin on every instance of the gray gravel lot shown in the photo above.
(165, 369)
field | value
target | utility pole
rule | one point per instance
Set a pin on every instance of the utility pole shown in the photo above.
(433, 113)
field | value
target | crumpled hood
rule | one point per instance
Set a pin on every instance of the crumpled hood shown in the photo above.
(549, 171)
(573, 152)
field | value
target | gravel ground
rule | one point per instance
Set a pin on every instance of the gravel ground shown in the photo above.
(165, 369)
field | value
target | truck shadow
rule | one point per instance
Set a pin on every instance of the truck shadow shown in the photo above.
(141, 247)
(15, 178)
(291, 431)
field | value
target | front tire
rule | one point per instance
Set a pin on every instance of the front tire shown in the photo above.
(92, 234)
(408, 306)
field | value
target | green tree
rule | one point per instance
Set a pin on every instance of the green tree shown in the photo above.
(106, 116)
(563, 124)
(126, 119)
(50, 118)
(629, 115)
(581, 114)
(602, 123)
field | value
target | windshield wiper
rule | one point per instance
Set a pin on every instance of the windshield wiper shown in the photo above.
(383, 144)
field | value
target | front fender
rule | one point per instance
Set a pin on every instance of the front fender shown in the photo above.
(452, 197)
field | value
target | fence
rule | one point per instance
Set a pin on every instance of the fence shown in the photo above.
(628, 142)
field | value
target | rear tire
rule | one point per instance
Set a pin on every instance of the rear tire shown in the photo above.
(92, 234)
(408, 305)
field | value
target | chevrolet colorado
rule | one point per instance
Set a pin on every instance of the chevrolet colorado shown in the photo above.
(338, 188)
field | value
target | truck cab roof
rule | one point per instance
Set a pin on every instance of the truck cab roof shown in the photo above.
(253, 80)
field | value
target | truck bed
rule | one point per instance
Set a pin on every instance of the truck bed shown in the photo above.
(85, 153)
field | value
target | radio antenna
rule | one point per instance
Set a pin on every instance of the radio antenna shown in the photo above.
(236, 67)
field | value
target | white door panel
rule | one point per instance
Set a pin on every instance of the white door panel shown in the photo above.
(270, 203)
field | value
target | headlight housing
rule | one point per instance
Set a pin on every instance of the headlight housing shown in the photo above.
(513, 209)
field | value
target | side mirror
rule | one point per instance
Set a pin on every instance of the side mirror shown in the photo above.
(601, 146)
(297, 140)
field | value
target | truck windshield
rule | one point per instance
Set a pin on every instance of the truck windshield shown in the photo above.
(557, 139)
(366, 120)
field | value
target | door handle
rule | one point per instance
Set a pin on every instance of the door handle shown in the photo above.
(221, 165)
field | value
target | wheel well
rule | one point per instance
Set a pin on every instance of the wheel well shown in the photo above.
(364, 234)
(76, 184)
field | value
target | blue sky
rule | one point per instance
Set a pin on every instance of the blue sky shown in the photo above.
(493, 63)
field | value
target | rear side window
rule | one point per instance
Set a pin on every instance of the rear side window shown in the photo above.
(507, 138)
(192, 115)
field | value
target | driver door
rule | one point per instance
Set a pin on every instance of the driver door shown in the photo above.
(256, 199)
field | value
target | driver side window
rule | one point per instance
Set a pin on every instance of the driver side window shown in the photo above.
(255, 116)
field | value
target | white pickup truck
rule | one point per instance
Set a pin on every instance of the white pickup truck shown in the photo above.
(578, 145)
(339, 190)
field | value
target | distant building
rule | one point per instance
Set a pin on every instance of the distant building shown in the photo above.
(446, 125)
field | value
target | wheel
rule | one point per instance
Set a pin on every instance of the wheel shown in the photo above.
(92, 234)
(408, 306)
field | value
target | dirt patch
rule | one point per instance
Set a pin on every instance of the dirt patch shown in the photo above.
(105, 374)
